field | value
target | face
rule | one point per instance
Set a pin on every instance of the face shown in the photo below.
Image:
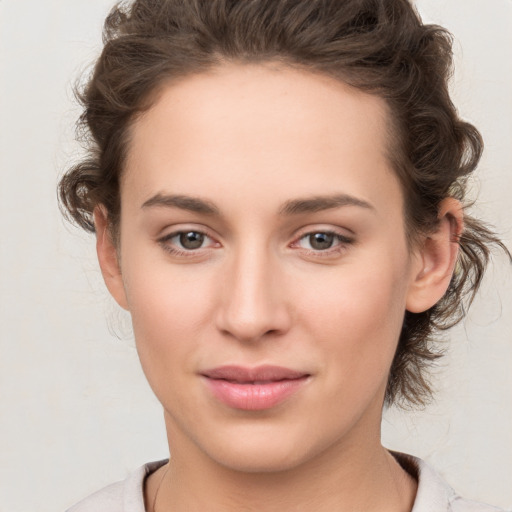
(264, 261)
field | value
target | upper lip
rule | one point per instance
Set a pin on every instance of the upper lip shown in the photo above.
(264, 373)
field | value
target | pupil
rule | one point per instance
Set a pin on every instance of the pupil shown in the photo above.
(321, 240)
(191, 240)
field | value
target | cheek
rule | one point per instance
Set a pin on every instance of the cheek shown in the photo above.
(160, 293)
(357, 320)
(169, 309)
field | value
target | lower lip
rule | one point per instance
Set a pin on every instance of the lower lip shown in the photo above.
(254, 397)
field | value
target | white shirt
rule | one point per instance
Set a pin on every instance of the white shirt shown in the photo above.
(433, 495)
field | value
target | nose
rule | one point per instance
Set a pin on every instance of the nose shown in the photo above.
(254, 303)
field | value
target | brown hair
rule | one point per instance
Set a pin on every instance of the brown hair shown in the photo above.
(378, 46)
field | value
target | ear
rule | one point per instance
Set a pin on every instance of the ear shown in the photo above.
(108, 257)
(436, 259)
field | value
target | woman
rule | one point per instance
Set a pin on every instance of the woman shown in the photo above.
(277, 191)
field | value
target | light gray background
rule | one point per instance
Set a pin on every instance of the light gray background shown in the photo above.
(75, 411)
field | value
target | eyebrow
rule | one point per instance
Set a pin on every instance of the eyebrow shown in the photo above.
(192, 204)
(292, 207)
(320, 203)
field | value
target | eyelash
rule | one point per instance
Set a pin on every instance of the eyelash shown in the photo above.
(175, 251)
(341, 246)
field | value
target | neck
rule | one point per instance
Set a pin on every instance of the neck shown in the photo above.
(350, 477)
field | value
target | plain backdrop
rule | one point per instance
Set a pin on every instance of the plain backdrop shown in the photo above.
(75, 410)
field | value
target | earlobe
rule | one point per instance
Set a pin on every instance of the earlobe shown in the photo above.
(436, 259)
(108, 257)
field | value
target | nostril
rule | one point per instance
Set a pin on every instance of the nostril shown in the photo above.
(252, 305)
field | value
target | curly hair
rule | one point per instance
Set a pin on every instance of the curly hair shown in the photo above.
(378, 46)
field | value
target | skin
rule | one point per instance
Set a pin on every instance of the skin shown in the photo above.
(247, 141)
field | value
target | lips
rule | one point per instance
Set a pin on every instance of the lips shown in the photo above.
(256, 388)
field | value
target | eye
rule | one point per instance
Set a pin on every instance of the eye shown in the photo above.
(189, 240)
(322, 241)
(319, 241)
(186, 242)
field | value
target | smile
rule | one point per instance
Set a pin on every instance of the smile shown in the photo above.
(253, 389)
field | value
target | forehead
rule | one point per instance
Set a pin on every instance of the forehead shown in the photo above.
(264, 127)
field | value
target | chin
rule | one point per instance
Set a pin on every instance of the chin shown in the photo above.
(264, 450)
(259, 461)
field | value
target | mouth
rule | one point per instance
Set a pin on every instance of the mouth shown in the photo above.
(254, 389)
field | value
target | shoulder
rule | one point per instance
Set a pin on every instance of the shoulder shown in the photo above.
(124, 496)
(463, 505)
(109, 499)
(434, 493)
